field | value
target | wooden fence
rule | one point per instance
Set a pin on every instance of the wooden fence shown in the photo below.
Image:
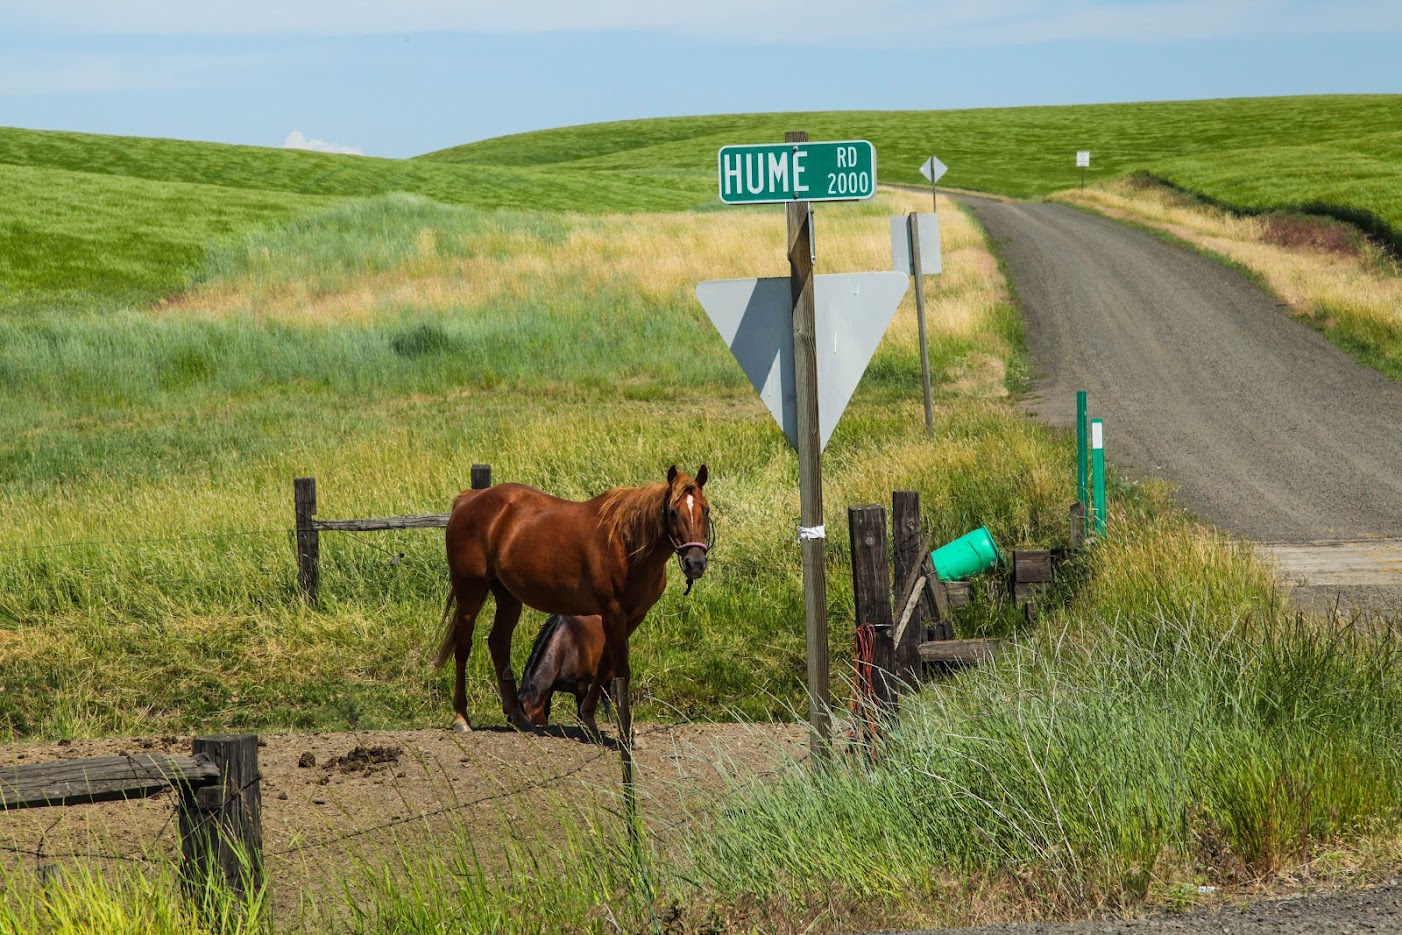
(220, 801)
(309, 528)
(910, 615)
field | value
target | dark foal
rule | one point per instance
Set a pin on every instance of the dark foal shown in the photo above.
(565, 658)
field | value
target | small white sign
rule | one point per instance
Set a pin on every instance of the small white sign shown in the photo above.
(928, 229)
(933, 169)
(1082, 158)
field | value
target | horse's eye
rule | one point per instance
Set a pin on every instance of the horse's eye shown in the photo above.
(673, 511)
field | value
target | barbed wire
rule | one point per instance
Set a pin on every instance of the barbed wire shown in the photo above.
(536, 785)
(76, 543)
(708, 805)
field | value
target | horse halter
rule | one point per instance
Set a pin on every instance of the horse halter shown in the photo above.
(679, 547)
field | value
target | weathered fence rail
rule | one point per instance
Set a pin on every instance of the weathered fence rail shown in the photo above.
(101, 779)
(219, 794)
(309, 528)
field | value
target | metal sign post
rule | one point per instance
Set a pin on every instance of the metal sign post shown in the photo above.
(932, 170)
(915, 266)
(810, 474)
(915, 250)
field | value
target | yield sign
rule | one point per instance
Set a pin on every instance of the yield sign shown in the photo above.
(755, 317)
(933, 169)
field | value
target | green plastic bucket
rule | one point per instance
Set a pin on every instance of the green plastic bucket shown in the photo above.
(968, 555)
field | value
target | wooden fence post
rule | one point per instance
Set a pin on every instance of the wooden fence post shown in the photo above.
(221, 825)
(871, 588)
(625, 752)
(1078, 524)
(308, 539)
(481, 476)
(906, 546)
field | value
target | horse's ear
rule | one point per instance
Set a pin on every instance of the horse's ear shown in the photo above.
(701, 477)
(671, 475)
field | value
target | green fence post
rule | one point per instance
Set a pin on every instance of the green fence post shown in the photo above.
(1082, 454)
(1097, 470)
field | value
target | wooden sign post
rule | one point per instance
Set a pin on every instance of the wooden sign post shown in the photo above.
(773, 326)
(810, 476)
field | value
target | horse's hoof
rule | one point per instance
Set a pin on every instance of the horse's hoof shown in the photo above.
(521, 723)
(462, 727)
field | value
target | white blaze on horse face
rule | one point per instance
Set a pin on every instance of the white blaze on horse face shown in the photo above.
(691, 508)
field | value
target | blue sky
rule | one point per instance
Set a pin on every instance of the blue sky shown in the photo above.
(406, 77)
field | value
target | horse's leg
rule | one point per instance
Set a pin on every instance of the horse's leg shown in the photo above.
(590, 704)
(471, 592)
(499, 642)
(616, 648)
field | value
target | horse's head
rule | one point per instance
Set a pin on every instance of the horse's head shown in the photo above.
(687, 519)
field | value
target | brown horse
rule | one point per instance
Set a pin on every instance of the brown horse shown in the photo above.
(566, 657)
(605, 556)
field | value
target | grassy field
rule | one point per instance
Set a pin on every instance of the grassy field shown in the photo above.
(184, 330)
(1339, 155)
(151, 207)
(93, 222)
(1173, 726)
(384, 346)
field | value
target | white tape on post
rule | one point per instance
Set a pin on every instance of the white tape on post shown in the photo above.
(811, 532)
(1097, 435)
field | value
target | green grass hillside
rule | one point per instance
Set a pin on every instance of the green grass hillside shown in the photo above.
(99, 221)
(91, 221)
(1339, 154)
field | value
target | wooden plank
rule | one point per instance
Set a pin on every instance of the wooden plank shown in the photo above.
(1078, 524)
(1032, 566)
(871, 589)
(377, 524)
(907, 549)
(937, 602)
(960, 652)
(1337, 563)
(100, 779)
(960, 593)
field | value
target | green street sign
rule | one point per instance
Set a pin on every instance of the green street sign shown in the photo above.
(773, 172)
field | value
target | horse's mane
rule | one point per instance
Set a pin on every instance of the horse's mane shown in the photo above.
(542, 639)
(633, 514)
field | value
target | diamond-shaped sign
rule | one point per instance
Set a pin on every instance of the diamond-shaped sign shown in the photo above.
(933, 169)
(755, 317)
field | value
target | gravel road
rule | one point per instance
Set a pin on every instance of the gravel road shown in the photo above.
(1373, 911)
(1268, 430)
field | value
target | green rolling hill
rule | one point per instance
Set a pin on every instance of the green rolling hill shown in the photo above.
(90, 219)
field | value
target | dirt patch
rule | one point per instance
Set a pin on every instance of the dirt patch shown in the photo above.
(1298, 231)
(337, 800)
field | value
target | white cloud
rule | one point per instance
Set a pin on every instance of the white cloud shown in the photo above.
(299, 140)
(895, 23)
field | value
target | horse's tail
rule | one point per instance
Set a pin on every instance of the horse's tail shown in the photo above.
(450, 632)
(542, 639)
